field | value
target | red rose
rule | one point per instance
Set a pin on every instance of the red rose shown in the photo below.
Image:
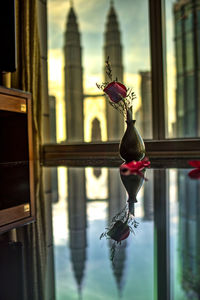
(194, 163)
(116, 91)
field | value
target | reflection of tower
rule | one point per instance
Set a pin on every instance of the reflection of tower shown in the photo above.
(189, 239)
(187, 41)
(52, 112)
(113, 49)
(117, 201)
(73, 80)
(96, 130)
(54, 171)
(96, 136)
(77, 221)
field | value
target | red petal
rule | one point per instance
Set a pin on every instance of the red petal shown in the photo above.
(194, 163)
(116, 91)
(124, 236)
(122, 86)
(194, 174)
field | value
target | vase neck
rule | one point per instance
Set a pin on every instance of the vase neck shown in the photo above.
(130, 122)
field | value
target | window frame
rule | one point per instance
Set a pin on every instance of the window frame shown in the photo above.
(159, 145)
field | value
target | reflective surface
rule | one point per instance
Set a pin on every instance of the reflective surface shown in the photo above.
(162, 251)
(103, 235)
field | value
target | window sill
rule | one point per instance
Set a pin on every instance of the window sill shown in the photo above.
(108, 152)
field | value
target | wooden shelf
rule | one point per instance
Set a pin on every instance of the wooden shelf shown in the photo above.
(16, 159)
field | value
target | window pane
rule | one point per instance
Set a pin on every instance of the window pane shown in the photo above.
(80, 38)
(183, 63)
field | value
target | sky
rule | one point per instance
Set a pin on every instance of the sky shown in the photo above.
(91, 16)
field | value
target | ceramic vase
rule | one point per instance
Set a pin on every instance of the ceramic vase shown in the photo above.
(132, 145)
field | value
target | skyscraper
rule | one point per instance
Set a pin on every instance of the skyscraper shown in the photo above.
(187, 43)
(73, 80)
(146, 104)
(113, 50)
(143, 115)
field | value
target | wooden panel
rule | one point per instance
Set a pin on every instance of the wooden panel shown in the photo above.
(32, 188)
(14, 92)
(30, 129)
(11, 103)
(18, 223)
(12, 214)
(17, 150)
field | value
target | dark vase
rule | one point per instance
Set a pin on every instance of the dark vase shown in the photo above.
(132, 145)
(132, 184)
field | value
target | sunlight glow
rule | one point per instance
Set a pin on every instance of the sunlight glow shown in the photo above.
(96, 188)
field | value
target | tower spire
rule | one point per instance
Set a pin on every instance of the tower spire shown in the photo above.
(73, 73)
(71, 3)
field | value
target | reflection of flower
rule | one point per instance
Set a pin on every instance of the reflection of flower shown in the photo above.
(194, 174)
(120, 228)
(135, 167)
(120, 97)
(119, 232)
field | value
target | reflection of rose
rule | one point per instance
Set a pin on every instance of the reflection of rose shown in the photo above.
(116, 91)
(134, 167)
(119, 232)
(194, 174)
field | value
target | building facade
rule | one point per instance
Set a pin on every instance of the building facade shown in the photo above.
(187, 54)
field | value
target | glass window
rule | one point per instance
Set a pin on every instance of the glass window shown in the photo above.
(179, 54)
(81, 35)
(188, 17)
(182, 55)
(189, 49)
(177, 20)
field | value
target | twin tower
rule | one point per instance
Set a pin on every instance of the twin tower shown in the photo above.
(74, 94)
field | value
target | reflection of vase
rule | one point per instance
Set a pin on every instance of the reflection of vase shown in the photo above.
(132, 145)
(132, 184)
